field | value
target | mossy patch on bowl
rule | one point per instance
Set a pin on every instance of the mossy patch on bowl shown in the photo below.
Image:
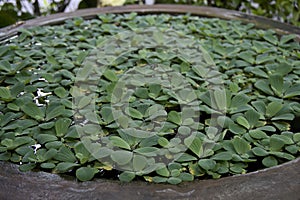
(159, 97)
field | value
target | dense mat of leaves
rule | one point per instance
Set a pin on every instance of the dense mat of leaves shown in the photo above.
(160, 97)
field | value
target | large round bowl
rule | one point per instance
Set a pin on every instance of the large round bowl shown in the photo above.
(280, 182)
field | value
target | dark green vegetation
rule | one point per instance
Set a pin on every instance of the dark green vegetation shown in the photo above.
(283, 10)
(160, 97)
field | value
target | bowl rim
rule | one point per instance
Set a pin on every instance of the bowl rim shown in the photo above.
(203, 11)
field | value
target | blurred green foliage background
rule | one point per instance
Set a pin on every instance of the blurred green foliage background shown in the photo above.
(12, 11)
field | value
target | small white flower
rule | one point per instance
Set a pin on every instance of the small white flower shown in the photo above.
(36, 147)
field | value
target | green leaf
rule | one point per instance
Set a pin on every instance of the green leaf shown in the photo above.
(247, 56)
(271, 38)
(283, 155)
(184, 157)
(287, 116)
(286, 38)
(107, 115)
(260, 106)
(287, 137)
(283, 69)
(174, 117)
(269, 161)
(186, 176)
(110, 75)
(236, 129)
(9, 143)
(13, 107)
(119, 142)
(32, 110)
(258, 134)
(263, 85)
(65, 167)
(200, 70)
(239, 100)
(207, 164)
(5, 156)
(184, 130)
(126, 176)
(263, 58)
(155, 89)
(86, 173)
(258, 151)
(50, 154)
(194, 144)
(243, 122)
(281, 125)
(123, 121)
(134, 113)
(65, 154)
(273, 108)
(61, 92)
(292, 91)
(293, 149)
(163, 171)
(48, 165)
(174, 180)
(240, 145)
(221, 99)
(139, 163)
(296, 137)
(52, 60)
(82, 55)
(142, 93)
(54, 111)
(99, 152)
(163, 142)
(276, 82)
(82, 151)
(5, 93)
(62, 126)
(53, 144)
(27, 167)
(121, 157)
(238, 168)
(83, 102)
(173, 165)
(147, 151)
(46, 125)
(276, 143)
(222, 156)
(252, 117)
(267, 128)
(158, 37)
(157, 179)
(44, 138)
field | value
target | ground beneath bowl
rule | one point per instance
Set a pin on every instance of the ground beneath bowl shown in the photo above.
(281, 182)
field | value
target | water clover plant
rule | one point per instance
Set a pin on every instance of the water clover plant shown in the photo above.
(156, 97)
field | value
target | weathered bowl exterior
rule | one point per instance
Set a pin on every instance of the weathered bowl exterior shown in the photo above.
(280, 182)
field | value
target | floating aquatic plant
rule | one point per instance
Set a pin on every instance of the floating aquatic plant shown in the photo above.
(160, 97)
